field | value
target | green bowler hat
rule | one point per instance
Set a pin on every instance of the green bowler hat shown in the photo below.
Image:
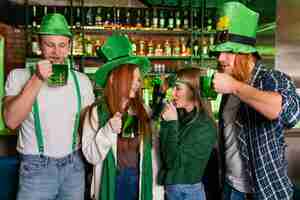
(117, 50)
(54, 24)
(236, 29)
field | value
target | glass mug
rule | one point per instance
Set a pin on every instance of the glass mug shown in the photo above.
(129, 125)
(206, 85)
(59, 76)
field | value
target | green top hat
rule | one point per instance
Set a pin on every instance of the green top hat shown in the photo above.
(236, 29)
(54, 24)
(117, 50)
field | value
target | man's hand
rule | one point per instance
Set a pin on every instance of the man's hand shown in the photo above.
(224, 83)
(43, 69)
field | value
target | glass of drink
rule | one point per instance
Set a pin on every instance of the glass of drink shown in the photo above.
(206, 85)
(59, 75)
(129, 125)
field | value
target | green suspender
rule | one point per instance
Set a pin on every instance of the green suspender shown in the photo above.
(78, 110)
(37, 120)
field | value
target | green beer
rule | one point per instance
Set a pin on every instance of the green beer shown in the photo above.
(59, 75)
(129, 125)
(206, 85)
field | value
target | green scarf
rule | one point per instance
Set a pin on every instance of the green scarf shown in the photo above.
(109, 168)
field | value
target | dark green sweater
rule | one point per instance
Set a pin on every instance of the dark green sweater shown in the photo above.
(185, 147)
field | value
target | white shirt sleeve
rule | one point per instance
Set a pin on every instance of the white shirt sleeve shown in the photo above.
(96, 144)
(86, 90)
(15, 82)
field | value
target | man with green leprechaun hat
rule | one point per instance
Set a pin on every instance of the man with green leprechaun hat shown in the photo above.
(117, 136)
(257, 105)
(51, 166)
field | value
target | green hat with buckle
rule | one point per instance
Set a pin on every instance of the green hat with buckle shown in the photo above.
(117, 50)
(54, 24)
(236, 29)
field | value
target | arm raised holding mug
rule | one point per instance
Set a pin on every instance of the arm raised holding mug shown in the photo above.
(267, 103)
(17, 107)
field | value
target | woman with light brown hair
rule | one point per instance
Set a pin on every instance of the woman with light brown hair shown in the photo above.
(187, 136)
(117, 136)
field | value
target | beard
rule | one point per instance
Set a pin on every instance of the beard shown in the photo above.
(241, 70)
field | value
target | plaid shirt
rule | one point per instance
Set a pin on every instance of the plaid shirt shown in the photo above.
(261, 141)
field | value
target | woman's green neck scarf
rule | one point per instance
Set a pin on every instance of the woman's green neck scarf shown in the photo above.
(109, 168)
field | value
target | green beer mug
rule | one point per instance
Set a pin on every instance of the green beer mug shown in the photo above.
(129, 125)
(59, 75)
(206, 85)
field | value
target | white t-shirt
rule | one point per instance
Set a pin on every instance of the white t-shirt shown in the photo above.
(57, 106)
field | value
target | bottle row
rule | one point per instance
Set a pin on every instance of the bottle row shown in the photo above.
(176, 47)
(129, 18)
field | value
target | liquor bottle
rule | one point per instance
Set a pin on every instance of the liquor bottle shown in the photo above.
(147, 19)
(188, 47)
(195, 19)
(204, 46)
(150, 48)
(141, 47)
(127, 19)
(138, 19)
(35, 46)
(158, 97)
(96, 46)
(177, 20)
(89, 17)
(66, 13)
(118, 21)
(183, 47)
(34, 17)
(211, 39)
(98, 17)
(185, 20)
(195, 48)
(158, 50)
(147, 91)
(108, 20)
(77, 44)
(161, 19)
(78, 18)
(133, 46)
(88, 46)
(155, 19)
(209, 25)
(45, 10)
(176, 49)
(171, 20)
(167, 48)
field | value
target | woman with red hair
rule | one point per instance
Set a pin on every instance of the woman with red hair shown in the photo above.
(117, 136)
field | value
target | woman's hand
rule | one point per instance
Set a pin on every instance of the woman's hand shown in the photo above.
(116, 122)
(169, 113)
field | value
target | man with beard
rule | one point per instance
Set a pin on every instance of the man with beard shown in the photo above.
(51, 166)
(257, 105)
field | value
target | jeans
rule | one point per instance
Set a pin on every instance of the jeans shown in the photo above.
(185, 192)
(45, 178)
(232, 194)
(128, 184)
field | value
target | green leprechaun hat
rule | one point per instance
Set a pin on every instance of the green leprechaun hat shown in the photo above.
(236, 29)
(117, 50)
(54, 24)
